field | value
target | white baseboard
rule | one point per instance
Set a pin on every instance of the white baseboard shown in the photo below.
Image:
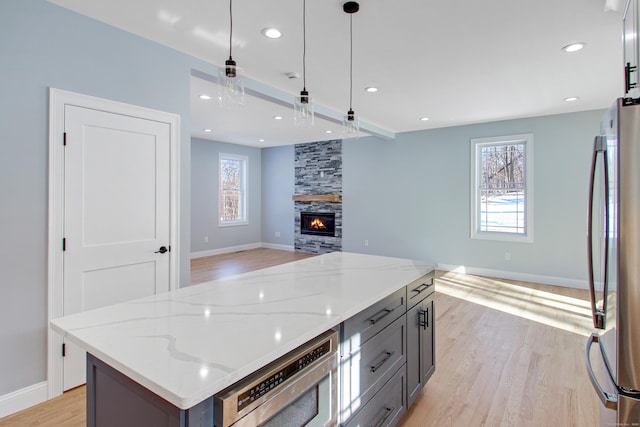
(22, 399)
(524, 277)
(246, 247)
(279, 247)
(221, 251)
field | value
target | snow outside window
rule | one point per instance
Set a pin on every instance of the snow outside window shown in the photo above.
(502, 188)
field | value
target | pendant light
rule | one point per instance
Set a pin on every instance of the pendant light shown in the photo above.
(303, 114)
(351, 122)
(230, 83)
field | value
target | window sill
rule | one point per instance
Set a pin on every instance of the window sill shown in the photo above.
(502, 237)
(232, 224)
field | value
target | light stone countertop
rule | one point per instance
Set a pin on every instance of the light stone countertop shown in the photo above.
(188, 344)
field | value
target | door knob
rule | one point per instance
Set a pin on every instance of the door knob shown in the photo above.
(162, 250)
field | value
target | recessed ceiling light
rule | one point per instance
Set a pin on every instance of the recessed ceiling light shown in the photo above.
(424, 119)
(328, 131)
(571, 99)
(272, 33)
(371, 89)
(207, 130)
(261, 140)
(205, 96)
(573, 47)
(277, 117)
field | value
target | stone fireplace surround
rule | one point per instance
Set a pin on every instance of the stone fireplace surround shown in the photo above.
(318, 188)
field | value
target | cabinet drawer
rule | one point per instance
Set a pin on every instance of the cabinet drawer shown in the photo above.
(364, 325)
(370, 366)
(387, 406)
(420, 288)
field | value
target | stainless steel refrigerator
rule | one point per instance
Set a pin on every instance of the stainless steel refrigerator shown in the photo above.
(613, 351)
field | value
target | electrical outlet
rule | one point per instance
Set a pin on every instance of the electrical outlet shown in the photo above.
(206, 239)
(277, 234)
(507, 256)
(366, 243)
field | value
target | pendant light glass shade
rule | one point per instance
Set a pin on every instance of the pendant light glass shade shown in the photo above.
(303, 110)
(351, 122)
(231, 84)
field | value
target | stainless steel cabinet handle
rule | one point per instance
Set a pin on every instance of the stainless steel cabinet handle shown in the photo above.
(383, 418)
(609, 400)
(383, 361)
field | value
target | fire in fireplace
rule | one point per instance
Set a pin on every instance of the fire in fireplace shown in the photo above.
(318, 223)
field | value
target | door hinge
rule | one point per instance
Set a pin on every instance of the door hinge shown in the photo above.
(64, 244)
(64, 349)
(64, 139)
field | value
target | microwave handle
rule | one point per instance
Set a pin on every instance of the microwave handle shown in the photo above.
(609, 400)
(598, 314)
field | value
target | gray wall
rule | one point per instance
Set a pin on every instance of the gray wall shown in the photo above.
(42, 46)
(419, 185)
(204, 197)
(277, 189)
(410, 197)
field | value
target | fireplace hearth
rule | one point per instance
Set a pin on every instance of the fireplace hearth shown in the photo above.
(318, 223)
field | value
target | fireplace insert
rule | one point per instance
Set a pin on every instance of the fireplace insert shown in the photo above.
(318, 223)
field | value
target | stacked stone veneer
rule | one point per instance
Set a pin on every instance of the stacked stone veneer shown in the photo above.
(318, 170)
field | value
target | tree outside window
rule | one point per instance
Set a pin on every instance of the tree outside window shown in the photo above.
(232, 194)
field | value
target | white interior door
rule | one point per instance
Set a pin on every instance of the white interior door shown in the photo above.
(116, 214)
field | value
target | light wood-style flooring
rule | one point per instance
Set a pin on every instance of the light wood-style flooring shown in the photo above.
(230, 264)
(507, 353)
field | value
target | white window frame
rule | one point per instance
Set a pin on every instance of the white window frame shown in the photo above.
(476, 172)
(243, 190)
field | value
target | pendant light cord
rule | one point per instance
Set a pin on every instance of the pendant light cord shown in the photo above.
(351, 61)
(230, 26)
(304, 45)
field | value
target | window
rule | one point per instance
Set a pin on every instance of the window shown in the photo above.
(232, 193)
(502, 188)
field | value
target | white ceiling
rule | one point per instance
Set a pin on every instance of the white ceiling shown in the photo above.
(456, 62)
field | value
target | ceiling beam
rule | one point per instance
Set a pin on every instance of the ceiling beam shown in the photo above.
(280, 97)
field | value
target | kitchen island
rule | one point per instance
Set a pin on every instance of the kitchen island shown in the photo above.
(187, 345)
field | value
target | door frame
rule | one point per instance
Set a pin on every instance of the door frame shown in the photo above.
(58, 99)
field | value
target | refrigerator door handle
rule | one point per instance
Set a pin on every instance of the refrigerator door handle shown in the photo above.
(609, 400)
(598, 313)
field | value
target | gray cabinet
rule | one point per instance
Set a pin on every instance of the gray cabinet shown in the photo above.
(362, 326)
(387, 406)
(420, 335)
(387, 355)
(373, 364)
(366, 369)
(113, 399)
